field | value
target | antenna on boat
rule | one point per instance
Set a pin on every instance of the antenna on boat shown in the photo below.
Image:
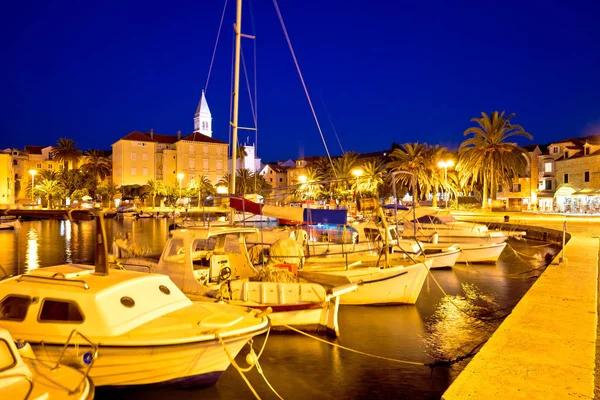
(101, 257)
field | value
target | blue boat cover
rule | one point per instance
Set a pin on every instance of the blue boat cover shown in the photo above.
(318, 216)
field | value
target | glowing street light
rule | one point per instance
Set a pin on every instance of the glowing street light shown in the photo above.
(446, 165)
(32, 172)
(180, 177)
(357, 172)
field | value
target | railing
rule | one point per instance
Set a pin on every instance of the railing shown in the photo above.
(55, 279)
(91, 362)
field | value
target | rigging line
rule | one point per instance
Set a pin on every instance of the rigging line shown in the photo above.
(255, 82)
(287, 37)
(215, 48)
(249, 89)
(331, 123)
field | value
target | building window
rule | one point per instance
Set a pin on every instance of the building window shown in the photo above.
(191, 149)
(555, 150)
(587, 150)
(191, 163)
(134, 156)
(586, 176)
(548, 185)
(205, 149)
(566, 154)
(270, 179)
(50, 166)
(548, 167)
(145, 171)
(205, 164)
(39, 165)
(145, 156)
(280, 179)
(219, 150)
(516, 187)
(566, 178)
(219, 165)
(133, 171)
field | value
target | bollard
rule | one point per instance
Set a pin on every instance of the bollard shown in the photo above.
(563, 260)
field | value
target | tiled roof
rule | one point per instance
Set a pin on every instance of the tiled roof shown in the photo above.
(139, 136)
(34, 149)
(198, 137)
(160, 138)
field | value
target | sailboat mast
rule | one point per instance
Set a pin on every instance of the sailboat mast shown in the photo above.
(236, 87)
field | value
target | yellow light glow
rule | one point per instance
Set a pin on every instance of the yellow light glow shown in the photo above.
(32, 172)
(357, 172)
(446, 164)
(302, 178)
(222, 189)
(180, 176)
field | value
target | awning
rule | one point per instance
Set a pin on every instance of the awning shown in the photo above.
(565, 190)
(585, 192)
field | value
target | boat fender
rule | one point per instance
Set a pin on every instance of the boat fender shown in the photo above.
(264, 312)
(434, 238)
(25, 349)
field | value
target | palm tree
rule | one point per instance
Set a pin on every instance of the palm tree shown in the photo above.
(108, 190)
(66, 152)
(241, 155)
(417, 159)
(97, 165)
(438, 154)
(372, 177)
(49, 189)
(487, 154)
(154, 188)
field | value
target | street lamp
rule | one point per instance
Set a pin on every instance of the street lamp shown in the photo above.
(180, 177)
(357, 172)
(446, 165)
(32, 172)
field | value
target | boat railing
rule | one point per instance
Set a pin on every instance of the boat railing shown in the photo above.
(123, 265)
(5, 274)
(24, 376)
(88, 358)
(56, 278)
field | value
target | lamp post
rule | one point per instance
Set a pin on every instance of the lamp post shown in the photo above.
(32, 172)
(180, 177)
(446, 165)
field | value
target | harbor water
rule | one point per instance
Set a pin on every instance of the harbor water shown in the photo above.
(381, 349)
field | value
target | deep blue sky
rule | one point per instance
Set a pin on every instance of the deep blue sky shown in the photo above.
(402, 71)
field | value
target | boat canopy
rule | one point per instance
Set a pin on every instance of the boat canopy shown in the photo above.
(308, 215)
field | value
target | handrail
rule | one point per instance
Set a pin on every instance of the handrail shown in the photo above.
(27, 378)
(91, 363)
(121, 265)
(55, 279)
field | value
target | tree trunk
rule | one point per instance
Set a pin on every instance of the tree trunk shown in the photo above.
(493, 183)
(484, 196)
(435, 193)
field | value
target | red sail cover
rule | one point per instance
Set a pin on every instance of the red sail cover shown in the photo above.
(309, 215)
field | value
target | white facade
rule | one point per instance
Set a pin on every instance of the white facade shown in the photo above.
(203, 118)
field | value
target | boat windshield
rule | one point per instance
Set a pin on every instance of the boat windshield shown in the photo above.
(204, 244)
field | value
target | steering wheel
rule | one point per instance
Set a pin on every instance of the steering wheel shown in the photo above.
(224, 274)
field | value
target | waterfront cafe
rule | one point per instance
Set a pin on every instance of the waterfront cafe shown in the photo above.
(570, 200)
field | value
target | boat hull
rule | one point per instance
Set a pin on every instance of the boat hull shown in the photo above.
(197, 364)
(481, 253)
(394, 285)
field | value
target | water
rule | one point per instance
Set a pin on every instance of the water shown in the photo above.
(299, 367)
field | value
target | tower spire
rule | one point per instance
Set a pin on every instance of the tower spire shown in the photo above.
(203, 118)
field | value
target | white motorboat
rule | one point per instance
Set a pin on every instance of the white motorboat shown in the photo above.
(439, 225)
(480, 253)
(144, 330)
(392, 285)
(214, 261)
(22, 376)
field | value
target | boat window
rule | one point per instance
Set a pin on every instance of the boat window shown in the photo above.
(7, 358)
(61, 311)
(176, 251)
(204, 244)
(14, 308)
(127, 301)
(164, 289)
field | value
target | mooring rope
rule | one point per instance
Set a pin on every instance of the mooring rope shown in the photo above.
(254, 358)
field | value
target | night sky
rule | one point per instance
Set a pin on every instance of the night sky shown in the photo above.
(377, 71)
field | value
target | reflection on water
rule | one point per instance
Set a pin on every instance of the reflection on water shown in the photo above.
(441, 325)
(32, 260)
